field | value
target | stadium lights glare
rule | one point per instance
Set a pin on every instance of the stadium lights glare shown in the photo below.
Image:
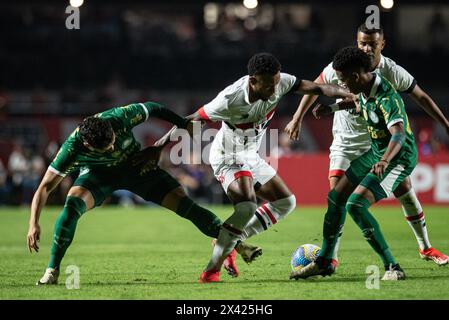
(387, 4)
(250, 4)
(76, 3)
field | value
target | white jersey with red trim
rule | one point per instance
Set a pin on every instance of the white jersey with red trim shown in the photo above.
(243, 123)
(349, 128)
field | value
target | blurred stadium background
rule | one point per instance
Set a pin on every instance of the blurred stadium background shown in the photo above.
(181, 54)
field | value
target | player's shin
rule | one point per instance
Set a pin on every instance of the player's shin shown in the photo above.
(415, 217)
(230, 232)
(65, 229)
(269, 214)
(334, 221)
(207, 222)
(357, 207)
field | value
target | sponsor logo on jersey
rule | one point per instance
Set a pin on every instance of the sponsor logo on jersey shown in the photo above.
(373, 116)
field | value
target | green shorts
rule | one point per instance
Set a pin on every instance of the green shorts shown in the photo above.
(152, 185)
(359, 173)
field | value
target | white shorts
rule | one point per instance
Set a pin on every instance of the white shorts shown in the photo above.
(228, 171)
(340, 161)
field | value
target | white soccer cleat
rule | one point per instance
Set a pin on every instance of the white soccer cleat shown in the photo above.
(248, 252)
(50, 277)
(394, 273)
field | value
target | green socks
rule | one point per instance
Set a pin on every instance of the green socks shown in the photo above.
(65, 229)
(207, 222)
(334, 221)
(357, 207)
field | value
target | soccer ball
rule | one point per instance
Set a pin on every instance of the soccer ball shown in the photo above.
(304, 255)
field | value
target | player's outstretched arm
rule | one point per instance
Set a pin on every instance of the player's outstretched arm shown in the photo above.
(159, 111)
(330, 90)
(429, 106)
(394, 146)
(293, 128)
(166, 139)
(49, 182)
(322, 110)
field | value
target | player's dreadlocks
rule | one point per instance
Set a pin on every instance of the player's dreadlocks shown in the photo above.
(263, 63)
(351, 58)
(96, 131)
(364, 29)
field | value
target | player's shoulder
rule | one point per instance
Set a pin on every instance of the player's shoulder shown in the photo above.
(73, 140)
(389, 65)
(235, 91)
(329, 75)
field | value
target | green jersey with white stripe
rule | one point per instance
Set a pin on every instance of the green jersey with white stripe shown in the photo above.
(73, 154)
(381, 110)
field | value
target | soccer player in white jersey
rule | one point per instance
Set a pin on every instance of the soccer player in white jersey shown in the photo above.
(245, 109)
(351, 139)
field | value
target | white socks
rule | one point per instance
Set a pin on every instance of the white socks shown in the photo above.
(230, 232)
(269, 214)
(415, 218)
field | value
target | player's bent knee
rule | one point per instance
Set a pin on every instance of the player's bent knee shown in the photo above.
(243, 212)
(84, 194)
(285, 206)
(77, 205)
(355, 205)
(246, 209)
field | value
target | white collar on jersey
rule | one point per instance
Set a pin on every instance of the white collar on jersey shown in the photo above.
(373, 91)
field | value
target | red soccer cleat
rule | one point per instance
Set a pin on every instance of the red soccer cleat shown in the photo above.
(334, 263)
(434, 255)
(230, 264)
(209, 276)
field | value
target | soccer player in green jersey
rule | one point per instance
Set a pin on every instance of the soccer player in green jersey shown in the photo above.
(375, 174)
(109, 158)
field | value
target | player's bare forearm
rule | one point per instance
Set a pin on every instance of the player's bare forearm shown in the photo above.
(159, 111)
(162, 142)
(194, 116)
(330, 90)
(49, 182)
(305, 104)
(429, 106)
(396, 141)
(394, 146)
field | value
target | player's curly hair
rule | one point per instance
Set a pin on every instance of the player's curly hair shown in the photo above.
(351, 58)
(96, 131)
(263, 63)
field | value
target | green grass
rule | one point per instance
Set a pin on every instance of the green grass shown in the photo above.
(150, 253)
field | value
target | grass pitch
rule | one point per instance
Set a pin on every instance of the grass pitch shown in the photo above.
(151, 253)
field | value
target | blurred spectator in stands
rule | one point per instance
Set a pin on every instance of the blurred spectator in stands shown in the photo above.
(427, 144)
(31, 180)
(18, 166)
(5, 187)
